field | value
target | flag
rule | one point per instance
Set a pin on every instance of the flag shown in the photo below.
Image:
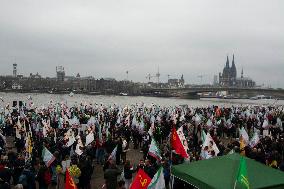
(207, 141)
(79, 146)
(154, 150)
(18, 135)
(244, 140)
(141, 180)
(255, 140)
(203, 136)
(158, 181)
(71, 138)
(209, 123)
(244, 135)
(69, 182)
(177, 145)
(218, 112)
(47, 156)
(242, 177)
(113, 154)
(151, 129)
(89, 138)
(182, 139)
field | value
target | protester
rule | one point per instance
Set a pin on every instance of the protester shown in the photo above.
(111, 175)
(128, 170)
(61, 136)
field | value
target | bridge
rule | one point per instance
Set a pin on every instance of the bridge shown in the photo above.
(193, 91)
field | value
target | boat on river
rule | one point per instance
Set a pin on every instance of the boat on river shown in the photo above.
(262, 99)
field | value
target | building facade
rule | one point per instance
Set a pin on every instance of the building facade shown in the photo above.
(176, 83)
(228, 78)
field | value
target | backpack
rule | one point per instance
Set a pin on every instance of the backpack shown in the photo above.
(23, 179)
(47, 177)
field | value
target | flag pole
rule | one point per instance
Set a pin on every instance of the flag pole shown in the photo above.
(171, 162)
(238, 173)
(235, 184)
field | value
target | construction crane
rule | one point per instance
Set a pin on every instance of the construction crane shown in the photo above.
(157, 75)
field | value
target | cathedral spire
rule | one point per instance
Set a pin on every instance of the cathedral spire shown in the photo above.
(233, 62)
(227, 62)
(233, 68)
(242, 74)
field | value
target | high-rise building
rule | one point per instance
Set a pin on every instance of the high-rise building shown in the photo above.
(60, 73)
(14, 70)
(215, 80)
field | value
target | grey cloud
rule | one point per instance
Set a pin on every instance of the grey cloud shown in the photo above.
(106, 38)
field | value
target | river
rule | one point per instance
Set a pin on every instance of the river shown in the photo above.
(40, 99)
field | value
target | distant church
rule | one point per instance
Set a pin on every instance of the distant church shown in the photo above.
(229, 77)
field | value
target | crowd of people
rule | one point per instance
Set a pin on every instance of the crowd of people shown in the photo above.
(80, 136)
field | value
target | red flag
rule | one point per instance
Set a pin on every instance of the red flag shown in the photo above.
(69, 183)
(218, 112)
(177, 145)
(141, 180)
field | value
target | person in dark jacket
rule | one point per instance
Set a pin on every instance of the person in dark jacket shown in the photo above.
(86, 168)
(149, 169)
(30, 177)
(41, 176)
(111, 175)
(118, 151)
(5, 173)
(128, 170)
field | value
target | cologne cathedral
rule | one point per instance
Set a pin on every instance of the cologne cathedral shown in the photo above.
(229, 77)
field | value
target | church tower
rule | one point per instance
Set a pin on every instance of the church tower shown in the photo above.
(233, 68)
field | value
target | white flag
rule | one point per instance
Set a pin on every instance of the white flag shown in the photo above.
(71, 139)
(207, 141)
(244, 135)
(255, 140)
(18, 135)
(113, 154)
(78, 146)
(89, 138)
(158, 181)
(47, 156)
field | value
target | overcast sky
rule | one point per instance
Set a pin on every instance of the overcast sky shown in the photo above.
(107, 37)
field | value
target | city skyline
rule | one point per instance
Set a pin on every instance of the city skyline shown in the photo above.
(106, 39)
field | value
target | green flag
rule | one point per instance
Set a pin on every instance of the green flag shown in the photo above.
(203, 136)
(242, 178)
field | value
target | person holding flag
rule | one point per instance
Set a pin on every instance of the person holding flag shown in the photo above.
(110, 176)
